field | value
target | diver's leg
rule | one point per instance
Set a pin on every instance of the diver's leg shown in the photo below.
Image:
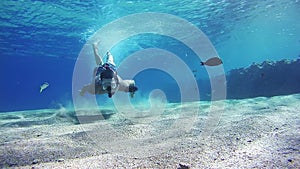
(110, 58)
(98, 59)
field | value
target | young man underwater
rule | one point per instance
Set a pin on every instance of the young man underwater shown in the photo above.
(105, 78)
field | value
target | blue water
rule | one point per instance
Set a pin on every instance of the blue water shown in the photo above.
(41, 40)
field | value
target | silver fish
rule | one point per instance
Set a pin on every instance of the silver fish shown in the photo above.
(215, 61)
(43, 86)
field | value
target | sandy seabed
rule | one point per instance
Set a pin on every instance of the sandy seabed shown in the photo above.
(249, 133)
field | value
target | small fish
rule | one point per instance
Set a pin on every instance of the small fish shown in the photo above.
(215, 61)
(43, 86)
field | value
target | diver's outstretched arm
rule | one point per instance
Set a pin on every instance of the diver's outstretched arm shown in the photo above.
(87, 88)
(127, 86)
(98, 59)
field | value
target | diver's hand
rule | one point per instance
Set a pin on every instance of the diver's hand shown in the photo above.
(81, 92)
(133, 88)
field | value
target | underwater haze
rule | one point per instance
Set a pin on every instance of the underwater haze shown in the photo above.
(40, 42)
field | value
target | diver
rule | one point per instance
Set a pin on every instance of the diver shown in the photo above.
(106, 79)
